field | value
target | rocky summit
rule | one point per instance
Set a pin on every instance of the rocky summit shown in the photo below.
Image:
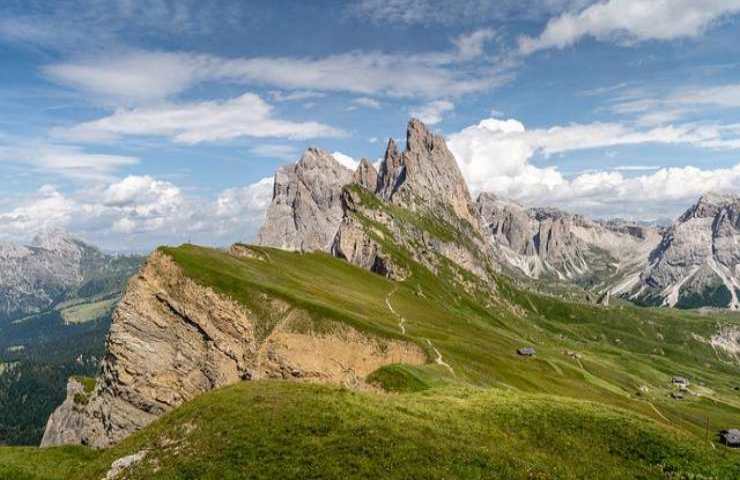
(697, 262)
(306, 208)
(550, 243)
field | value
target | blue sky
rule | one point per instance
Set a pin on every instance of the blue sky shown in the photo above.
(139, 122)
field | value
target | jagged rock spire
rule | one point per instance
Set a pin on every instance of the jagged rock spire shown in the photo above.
(426, 171)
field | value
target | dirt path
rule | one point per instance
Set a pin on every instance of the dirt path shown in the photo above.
(401, 320)
(439, 360)
(658, 412)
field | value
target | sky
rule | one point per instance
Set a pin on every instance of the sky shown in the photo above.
(134, 123)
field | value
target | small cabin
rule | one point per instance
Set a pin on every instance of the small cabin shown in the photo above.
(730, 437)
(680, 381)
(526, 352)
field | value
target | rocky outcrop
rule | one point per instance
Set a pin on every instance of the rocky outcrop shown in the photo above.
(697, 263)
(172, 339)
(424, 174)
(306, 208)
(546, 242)
(439, 222)
(366, 175)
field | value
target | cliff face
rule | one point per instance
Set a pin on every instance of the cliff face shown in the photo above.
(172, 339)
(546, 242)
(697, 263)
(306, 207)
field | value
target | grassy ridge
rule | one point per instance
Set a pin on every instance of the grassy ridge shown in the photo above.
(593, 403)
(272, 429)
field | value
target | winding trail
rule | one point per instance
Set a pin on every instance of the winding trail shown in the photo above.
(402, 326)
(401, 320)
(439, 360)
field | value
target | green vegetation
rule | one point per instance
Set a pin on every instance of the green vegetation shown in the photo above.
(272, 429)
(87, 312)
(593, 403)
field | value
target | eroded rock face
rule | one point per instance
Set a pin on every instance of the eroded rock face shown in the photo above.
(698, 261)
(366, 175)
(542, 242)
(306, 207)
(172, 339)
(425, 173)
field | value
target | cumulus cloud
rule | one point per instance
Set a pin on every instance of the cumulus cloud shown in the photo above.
(631, 21)
(245, 116)
(432, 112)
(140, 212)
(496, 155)
(44, 209)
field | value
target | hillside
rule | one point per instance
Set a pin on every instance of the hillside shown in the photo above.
(405, 299)
(272, 429)
(482, 393)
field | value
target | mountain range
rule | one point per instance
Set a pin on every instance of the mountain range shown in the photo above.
(396, 280)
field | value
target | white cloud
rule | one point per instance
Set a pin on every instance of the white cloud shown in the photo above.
(471, 45)
(139, 212)
(279, 96)
(631, 21)
(496, 155)
(282, 152)
(244, 116)
(143, 76)
(725, 96)
(251, 200)
(432, 112)
(346, 160)
(45, 209)
(366, 102)
(67, 160)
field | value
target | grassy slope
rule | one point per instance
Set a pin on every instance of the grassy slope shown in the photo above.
(463, 428)
(273, 429)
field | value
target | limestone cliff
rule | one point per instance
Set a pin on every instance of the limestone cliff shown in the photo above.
(697, 263)
(550, 243)
(172, 339)
(306, 209)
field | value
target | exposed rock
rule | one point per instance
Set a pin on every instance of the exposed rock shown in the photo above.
(172, 339)
(66, 422)
(366, 175)
(124, 463)
(546, 242)
(355, 243)
(36, 277)
(425, 174)
(697, 262)
(306, 207)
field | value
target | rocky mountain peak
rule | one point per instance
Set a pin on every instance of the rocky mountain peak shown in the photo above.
(709, 205)
(57, 240)
(306, 206)
(425, 171)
